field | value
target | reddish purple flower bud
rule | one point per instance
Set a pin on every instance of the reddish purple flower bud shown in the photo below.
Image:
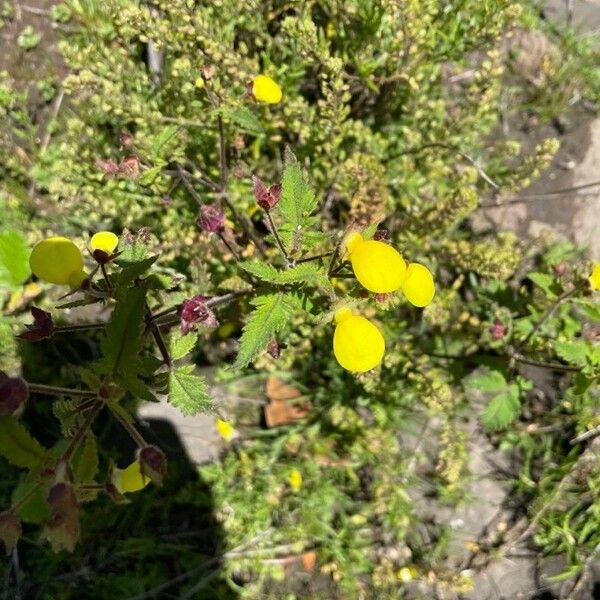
(13, 394)
(211, 218)
(10, 530)
(130, 167)
(382, 297)
(126, 139)
(498, 330)
(560, 269)
(109, 167)
(153, 464)
(63, 528)
(41, 328)
(166, 201)
(195, 312)
(381, 235)
(274, 349)
(267, 197)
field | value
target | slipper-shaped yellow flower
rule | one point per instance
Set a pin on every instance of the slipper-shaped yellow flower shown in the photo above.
(105, 241)
(57, 260)
(595, 277)
(418, 287)
(358, 345)
(264, 89)
(378, 267)
(225, 429)
(130, 479)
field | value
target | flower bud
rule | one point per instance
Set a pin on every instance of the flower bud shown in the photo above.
(195, 312)
(211, 218)
(153, 464)
(41, 328)
(63, 529)
(126, 139)
(109, 167)
(266, 197)
(10, 530)
(498, 330)
(130, 167)
(560, 269)
(274, 349)
(13, 394)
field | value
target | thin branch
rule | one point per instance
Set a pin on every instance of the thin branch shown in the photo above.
(52, 390)
(547, 365)
(80, 433)
(311, 258)
(276, 235)
(222, 154)
(551, 310)
(81, 327)
(135, 435)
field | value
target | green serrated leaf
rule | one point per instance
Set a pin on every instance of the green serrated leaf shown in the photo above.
(121, 344)
(298, 201)
(131, 271)
(502, 409)
(544, 281)
(489, 381)
(573, 352)
(188, 391)
(263, 271)
(245, 118)
(18, 446)
(181, 345)
(149, 175)
(85, 460)
(160, 144)
(35, 509)
(271, 315)
(14, 260)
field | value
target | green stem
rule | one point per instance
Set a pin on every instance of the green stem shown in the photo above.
(52, 390)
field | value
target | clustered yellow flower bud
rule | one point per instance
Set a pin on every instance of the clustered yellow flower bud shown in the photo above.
(130, 479)
(264, 89)
(358, 345)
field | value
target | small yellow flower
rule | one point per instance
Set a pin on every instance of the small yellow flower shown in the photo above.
(130, 479)
(595, 277)
(295, 480)
(418, 287)
(105, 241)
(264, 89)
(57, 260)
(378, 267)
(357, 344)
(225, 429)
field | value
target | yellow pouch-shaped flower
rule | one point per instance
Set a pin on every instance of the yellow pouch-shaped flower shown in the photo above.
(57, 260)
(418, 287)
(295, 480)
(595, 277)
(264, 89)
(357, 344)
(378, 267)
(130, 479)
(105, 241)
(225, 429)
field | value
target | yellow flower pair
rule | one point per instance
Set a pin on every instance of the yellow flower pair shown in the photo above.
(58, 260)
(358, 345)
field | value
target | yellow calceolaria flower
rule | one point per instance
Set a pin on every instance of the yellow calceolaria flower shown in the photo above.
(57, 260)
(594, 278)
(225, 429)
(264, 89)
(378, 267)
(418, 287)
(130, 479)
(105, 241)
(295, 480)
(357, 344)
